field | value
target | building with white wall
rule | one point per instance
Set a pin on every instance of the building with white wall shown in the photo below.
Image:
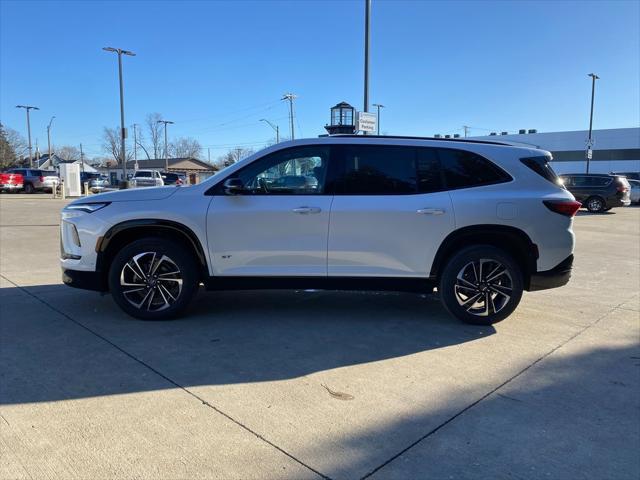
(614, 149)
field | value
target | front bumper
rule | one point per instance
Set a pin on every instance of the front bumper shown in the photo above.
(556, 277)
(85, 280)
(10, 186)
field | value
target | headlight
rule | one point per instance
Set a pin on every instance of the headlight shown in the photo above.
(87, 207)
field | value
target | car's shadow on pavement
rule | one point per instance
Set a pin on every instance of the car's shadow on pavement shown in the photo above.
(59, 343)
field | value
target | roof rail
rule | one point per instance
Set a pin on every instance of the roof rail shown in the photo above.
(402, 137)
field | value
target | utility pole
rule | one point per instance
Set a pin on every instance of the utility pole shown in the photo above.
(49, 139)
(275, 127)
(209, 155)
(123, 131)
(367, 19)
(37, 154)
(238, 153)
(81, 158)
(166, 145)
(466, 130)
(27, 108)
(589, 152)
(378, 106)
(290, 97)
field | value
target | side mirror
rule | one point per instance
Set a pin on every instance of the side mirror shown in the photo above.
(233, 186)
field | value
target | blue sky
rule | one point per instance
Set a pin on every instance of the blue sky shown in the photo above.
(217, 67)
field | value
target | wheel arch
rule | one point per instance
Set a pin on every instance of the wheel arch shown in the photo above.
(511, 239)
(128, 231)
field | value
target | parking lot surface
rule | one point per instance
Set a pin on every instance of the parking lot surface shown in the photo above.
(296, 384)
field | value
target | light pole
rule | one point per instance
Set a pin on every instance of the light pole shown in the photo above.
(49, 139)
(166, 150)
(290, 97)
(275, 127)
(123, 132)
(589, 153)
(135, 147)
(27, 108)
(378, 106)
(367, 19)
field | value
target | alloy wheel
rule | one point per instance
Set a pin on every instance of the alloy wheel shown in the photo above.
(151, 281)
(483, 287)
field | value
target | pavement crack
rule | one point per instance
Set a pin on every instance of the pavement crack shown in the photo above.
(168, 379)
(491, 392)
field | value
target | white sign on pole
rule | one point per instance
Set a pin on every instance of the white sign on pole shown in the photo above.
(367, 122)
(590, 154)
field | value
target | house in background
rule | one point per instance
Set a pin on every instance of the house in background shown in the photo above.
(195, 170)
(53, 163)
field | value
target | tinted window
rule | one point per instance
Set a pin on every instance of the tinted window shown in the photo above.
(377, 170)
(429, 171)
(541, 166)
(143, 174)
(294, 171)
(464, 169)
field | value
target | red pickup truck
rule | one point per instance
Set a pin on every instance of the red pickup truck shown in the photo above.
(11, 182)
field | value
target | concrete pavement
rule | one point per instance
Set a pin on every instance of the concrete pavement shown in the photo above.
(249, 384)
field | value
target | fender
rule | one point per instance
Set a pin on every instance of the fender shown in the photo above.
(104, 242)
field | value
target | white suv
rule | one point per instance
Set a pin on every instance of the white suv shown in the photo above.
(479, 221)
(147, 178)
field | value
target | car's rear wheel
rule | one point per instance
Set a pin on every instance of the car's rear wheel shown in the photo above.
(28, 188)
(153, 279)
(595, 204)
(481, 285)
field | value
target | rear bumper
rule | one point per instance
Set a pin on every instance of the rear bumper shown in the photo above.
(10, 186)
(85, 280)
(556, 277)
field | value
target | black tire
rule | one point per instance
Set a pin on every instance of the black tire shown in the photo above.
(28, 188)
(595, 204)
(165, 298)
(504, 290)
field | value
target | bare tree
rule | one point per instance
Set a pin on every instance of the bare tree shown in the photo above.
(154, 130)
(111, 143)
(68, 152)
(234, 155)
(17, 142)
(184, 147)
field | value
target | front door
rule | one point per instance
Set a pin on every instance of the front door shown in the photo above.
(277, 226)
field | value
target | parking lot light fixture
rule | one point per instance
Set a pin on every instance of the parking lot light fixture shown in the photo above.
(27, 108)
(123, 133)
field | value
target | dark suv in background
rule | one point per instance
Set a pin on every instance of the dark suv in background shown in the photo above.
(598, 192)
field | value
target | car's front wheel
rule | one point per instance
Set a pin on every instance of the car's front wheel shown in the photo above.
(153, 279)
(481, 285)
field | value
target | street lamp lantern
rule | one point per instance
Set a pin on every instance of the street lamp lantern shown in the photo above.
(275, 127)
(342, 119)
(123, 131)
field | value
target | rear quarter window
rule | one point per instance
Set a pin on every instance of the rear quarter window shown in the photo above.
(541, 166)
(463, 169)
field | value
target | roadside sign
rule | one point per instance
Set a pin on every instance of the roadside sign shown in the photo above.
(367, 122)
(589, 154)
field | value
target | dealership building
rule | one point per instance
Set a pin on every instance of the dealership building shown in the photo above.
(614, 149)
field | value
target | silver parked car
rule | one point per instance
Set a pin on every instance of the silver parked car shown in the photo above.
(635, 190)
(37, 180)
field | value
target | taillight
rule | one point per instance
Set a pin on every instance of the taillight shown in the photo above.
(568, 208)
(622, 188)
(41, 178)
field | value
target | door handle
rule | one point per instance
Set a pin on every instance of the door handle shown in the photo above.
(430, 211)
(307, 210)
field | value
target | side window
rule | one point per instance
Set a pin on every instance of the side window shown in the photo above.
(429, 171)
(377, 170)
(464, 169)
(579, 181)
(295, 171)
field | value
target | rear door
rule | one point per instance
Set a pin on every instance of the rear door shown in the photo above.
(389, 213)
